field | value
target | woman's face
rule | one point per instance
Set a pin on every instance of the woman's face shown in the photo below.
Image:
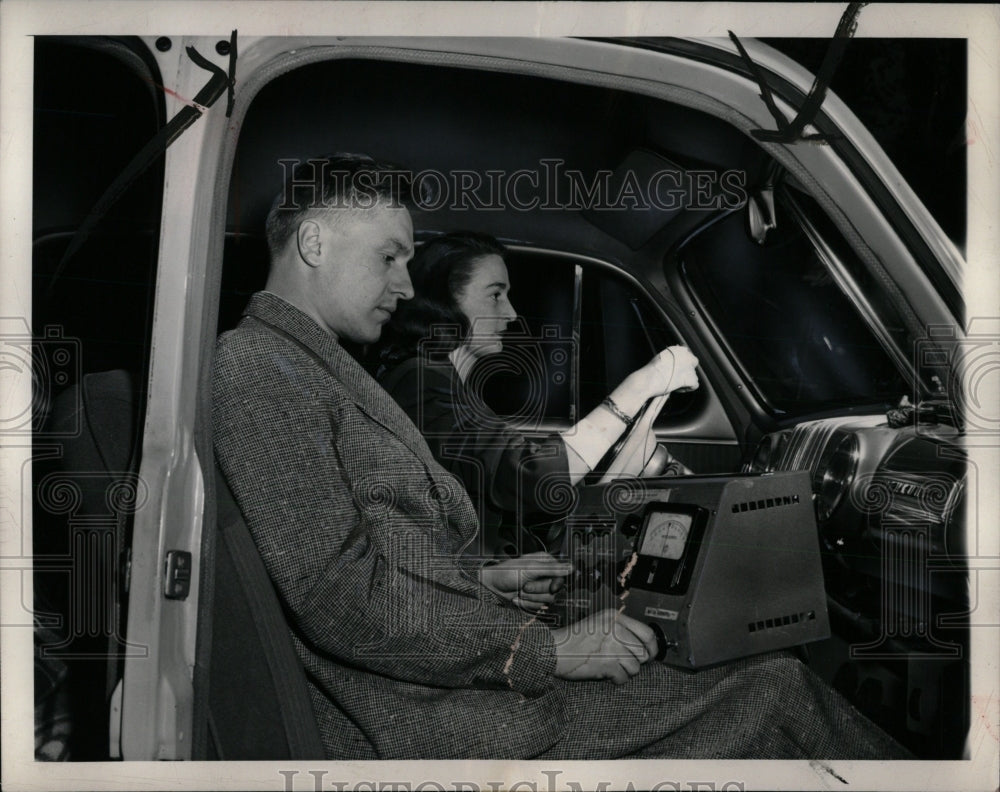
(486, 304)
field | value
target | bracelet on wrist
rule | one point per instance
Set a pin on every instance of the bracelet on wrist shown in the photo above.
(617, 411)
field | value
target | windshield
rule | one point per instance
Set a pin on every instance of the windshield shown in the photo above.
(797, 337)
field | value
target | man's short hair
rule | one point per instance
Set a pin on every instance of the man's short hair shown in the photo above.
(334, 183)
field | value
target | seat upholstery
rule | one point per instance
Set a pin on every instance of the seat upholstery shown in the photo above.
(259, 706)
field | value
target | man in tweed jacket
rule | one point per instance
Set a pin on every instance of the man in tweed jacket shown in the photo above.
(407, 653)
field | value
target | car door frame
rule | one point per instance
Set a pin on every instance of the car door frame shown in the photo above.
(157, 706)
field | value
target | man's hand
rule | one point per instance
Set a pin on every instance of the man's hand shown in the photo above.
(605, 645)
(530, 582)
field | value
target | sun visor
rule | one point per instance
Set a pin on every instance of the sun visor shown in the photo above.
(644, 193)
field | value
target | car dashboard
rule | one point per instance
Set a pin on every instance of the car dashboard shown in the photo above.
(890, 511)
(875, 484)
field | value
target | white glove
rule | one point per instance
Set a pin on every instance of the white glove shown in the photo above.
(671, 369)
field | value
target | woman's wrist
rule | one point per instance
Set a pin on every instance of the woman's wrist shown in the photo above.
(631, 394)
(612, 407)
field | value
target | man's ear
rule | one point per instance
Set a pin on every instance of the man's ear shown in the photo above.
(309, 241)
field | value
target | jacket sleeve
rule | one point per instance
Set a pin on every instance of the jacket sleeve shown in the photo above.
(354, 530)
(515, 473)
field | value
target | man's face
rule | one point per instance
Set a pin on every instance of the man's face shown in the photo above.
(361, 272)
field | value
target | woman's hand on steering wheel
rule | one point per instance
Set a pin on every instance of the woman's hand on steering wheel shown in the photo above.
(671, 370)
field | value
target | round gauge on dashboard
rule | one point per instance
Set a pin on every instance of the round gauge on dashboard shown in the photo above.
(837, 477)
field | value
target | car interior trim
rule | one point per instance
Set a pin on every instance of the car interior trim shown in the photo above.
(710, 424)
(937, 256)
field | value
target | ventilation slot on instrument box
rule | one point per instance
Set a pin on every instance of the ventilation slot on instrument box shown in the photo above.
(765, 503)
(781, 621)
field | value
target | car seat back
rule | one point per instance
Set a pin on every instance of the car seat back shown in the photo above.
(85, 491)
(259, 704)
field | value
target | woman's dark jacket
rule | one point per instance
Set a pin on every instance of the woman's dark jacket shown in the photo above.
(520, 486)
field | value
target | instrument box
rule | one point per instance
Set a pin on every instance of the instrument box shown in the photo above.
(720, 567)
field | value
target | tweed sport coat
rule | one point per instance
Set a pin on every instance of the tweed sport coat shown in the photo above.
(406, 653)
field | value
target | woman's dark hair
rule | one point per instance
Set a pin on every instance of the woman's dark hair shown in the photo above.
(440, 270)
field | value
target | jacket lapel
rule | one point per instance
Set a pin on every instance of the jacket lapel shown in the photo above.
(367, 394)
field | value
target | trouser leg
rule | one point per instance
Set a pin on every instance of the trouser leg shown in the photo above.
(765, 707)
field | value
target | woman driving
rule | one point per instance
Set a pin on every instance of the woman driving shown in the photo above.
(461, 282)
